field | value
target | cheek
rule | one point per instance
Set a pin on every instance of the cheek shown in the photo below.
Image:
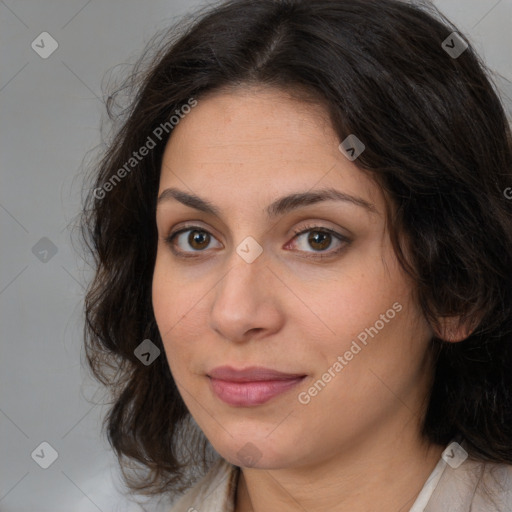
(358, 298)
(172, 295)
(168, 300)
(163, 299)
(177, 306)
(376, 322)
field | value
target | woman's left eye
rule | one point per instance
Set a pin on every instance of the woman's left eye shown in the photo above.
(319, 239)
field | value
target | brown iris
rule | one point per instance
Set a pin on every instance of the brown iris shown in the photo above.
(198, 239)
(318, 237)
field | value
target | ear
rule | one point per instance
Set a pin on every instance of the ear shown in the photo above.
(454, 329)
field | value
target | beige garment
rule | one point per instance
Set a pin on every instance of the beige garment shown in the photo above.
(457, 484)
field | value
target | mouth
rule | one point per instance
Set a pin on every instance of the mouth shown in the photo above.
(252, 386)
(251, 374)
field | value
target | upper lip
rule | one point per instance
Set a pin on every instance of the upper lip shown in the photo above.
(250, 374)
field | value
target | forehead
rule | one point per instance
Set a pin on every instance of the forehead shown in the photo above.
(259, 139)
(238, 122)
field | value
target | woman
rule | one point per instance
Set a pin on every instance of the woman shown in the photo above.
(304, 261)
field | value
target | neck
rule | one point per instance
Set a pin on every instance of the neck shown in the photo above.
(388, 471)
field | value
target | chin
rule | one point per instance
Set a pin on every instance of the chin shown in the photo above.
(256, 451)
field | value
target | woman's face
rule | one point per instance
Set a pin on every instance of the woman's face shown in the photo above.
(309, 286)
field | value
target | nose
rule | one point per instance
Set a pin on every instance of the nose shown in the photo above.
(246, 302)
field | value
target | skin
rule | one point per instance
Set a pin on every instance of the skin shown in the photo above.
(357, 442)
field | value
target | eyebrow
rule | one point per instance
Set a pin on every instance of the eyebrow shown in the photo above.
(279, 207)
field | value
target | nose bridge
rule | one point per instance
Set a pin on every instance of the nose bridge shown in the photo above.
(243, 299)
(245, 278)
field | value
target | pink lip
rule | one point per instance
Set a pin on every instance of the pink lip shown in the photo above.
(251, 386)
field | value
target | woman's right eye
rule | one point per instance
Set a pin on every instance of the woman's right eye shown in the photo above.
(194, 236)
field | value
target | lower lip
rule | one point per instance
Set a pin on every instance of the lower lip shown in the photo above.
(247, 394)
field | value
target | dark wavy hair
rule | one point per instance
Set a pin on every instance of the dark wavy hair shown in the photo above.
(438, 144)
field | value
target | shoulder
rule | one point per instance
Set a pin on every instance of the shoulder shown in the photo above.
(495, 488)
(215, 492)
(475, 485)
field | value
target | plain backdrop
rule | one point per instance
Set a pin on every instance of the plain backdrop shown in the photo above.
(50, 117)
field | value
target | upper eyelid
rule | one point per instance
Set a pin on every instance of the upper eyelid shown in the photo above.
(309, 224)
(296, 232)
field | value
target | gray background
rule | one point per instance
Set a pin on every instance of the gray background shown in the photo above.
(50, 115)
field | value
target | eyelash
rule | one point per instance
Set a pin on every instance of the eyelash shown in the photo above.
(318, 255)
